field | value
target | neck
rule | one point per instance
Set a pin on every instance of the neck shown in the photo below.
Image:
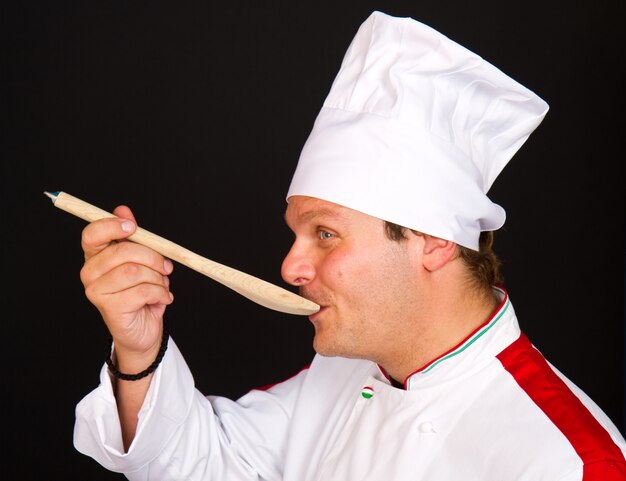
(454, 317)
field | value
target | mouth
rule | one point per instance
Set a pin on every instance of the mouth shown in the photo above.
(323, 306)
(316, 317)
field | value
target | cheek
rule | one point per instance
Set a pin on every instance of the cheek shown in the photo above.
(365, 281)
(385, 277)
(335, 267)
(354, 278)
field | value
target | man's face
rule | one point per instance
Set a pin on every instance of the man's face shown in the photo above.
(364, 282)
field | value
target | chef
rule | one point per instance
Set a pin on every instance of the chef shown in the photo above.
(421, 370)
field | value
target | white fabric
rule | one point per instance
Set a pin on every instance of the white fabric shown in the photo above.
(414, 130)
(465, 418)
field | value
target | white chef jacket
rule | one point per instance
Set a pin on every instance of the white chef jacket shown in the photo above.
(491, 408)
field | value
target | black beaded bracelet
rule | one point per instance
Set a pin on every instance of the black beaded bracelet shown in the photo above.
(134, 377)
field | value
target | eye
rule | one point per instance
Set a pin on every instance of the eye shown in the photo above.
(324, 235)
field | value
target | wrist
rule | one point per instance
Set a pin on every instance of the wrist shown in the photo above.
(132, 366)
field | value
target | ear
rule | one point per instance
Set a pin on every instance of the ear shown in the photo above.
(437, 252)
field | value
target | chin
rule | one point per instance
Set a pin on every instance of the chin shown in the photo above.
(324, 348)
(331, 348)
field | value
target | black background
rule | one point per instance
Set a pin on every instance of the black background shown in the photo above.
(194, 114)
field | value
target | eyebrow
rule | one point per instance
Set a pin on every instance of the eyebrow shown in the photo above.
(313, 214)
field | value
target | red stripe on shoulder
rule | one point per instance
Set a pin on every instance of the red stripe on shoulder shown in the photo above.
(602, 458)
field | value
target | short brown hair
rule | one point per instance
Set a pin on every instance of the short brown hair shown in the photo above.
(483, 264)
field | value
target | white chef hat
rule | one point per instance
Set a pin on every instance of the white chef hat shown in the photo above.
(414, 131)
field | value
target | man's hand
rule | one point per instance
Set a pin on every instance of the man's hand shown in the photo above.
(128, 284)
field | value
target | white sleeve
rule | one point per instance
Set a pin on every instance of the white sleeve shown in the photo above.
(182, 434)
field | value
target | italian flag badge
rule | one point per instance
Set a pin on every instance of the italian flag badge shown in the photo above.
(367, 392)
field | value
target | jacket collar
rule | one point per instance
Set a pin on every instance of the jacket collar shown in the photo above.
(481, 345)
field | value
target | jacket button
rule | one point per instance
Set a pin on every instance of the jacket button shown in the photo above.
(427, 427)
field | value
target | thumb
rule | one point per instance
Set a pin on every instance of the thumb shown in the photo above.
(124, 212)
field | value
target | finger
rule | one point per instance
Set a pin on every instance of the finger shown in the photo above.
(120, 254)
(133, 299)
(108, 291)
(99, 234)
(125, 277)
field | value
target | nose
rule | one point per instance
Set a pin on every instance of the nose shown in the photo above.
(298, 268)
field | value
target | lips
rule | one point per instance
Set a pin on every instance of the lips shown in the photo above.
(319, 300)
(317, 319)
(320, 312)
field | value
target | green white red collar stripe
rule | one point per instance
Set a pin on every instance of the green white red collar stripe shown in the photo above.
(468, 341)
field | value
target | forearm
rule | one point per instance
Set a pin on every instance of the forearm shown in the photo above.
(165, 408)
(130, 395)
(179, 431)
